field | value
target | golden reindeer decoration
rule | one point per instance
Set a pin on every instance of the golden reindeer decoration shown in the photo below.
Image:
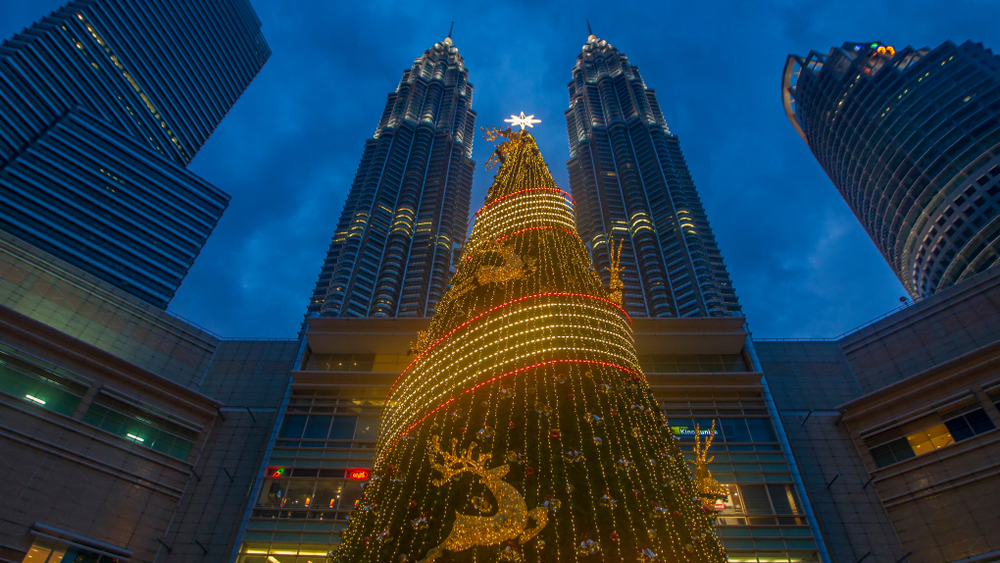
(708, 486)
(511, 518)
(615, 284)
(514, 267)
(500, 153)
(423, 340)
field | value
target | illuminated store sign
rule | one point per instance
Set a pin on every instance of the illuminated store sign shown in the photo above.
(686, 431)
(359, 474)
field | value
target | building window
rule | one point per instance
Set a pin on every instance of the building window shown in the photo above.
(892, 452)
(46, 550)
(760, 504)
(340, 362)
(969, 425)
(140, 426)
(314, 430)
(746, 430)
(38, 386)
(692, 363)
(923, 441)
(306, 498)
(917, 443)
(928, 440)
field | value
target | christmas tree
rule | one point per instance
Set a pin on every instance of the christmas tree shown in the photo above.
(524, 429)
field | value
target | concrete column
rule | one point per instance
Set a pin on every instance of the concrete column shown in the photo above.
(87, 400)
(988, 405)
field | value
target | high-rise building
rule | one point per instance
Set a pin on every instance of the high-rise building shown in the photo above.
(102, 105)
(911, 139)
(631, 184)
(407, 210)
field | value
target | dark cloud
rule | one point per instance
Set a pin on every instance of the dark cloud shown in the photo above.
(287, 151)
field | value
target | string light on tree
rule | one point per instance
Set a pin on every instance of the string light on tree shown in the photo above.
(524, 429)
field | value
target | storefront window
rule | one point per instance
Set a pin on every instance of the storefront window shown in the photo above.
(735, 430)
(299, 494)
(327, 494)
(272, 494)
(367, 428)
(309, 494)
(350, 494)
(761, 430)
(343, 427)
(51, 551)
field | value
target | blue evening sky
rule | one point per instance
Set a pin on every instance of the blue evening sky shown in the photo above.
(801, 264)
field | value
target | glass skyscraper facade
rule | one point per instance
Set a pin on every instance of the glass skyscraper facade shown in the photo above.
(911, 139)
(631, 184)
(102, 106)
(407, 210)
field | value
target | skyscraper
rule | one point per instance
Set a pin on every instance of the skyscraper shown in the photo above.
(407, 209)
(632, 187)
(911, 139)
(102, 105)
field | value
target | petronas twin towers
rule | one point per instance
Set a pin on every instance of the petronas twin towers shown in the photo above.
(407, 209)
(402, 228)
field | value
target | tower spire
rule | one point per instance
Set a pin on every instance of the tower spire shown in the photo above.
(450, 29)
(589, 31)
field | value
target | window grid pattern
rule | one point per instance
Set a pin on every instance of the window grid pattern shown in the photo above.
(762, 520)
(631, 183)
(407, 209)
(307, 493)
(102, 105)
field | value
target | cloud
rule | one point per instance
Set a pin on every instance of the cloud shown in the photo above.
(287, 152)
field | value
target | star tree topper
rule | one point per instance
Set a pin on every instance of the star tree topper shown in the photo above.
(522, 121)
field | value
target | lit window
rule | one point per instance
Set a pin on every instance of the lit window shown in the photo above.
(929, 440)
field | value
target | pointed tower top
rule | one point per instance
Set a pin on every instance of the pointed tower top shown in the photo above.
(447, 40)
(590, 32)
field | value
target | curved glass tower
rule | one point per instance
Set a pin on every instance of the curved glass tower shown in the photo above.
(631, 184)
(407, 211)
(911, 139)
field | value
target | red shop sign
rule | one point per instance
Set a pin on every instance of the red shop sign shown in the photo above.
(359, 474)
